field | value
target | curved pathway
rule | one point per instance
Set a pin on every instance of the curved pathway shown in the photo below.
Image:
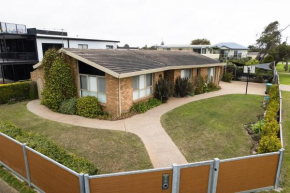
(161, 149)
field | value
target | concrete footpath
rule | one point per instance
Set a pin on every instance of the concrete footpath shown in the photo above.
(161, 149)
(5, 188)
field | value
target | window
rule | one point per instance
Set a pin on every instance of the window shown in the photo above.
(83, 46)
(203, 51)
(185, 73)
(142, 86)
(93, 86)
(198, 72)
(109, 47)
(210, 74)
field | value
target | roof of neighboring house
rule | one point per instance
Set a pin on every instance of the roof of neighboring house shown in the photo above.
(126, 63)
(184, 46)
(44, 36)
(231, 45)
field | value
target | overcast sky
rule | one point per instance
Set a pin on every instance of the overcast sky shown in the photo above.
(140, 22)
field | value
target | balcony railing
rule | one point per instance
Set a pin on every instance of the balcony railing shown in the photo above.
(17, 56)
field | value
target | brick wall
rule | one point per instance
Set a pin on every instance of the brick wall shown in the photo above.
(126, 94)
(112, 93)
(172, 75)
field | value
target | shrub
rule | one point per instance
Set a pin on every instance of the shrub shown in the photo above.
(274, 92)
(212, 86)
(163, 90)
(18, 91)
(49, 58)
(183, 87)
(142, 107)
(59, 84)
(268, 59)
(68, 106)
(286, 67)
(227, 77)
(269, 144)
(199, 85)
(270, 128)
(257, 127)
(48, 148)
(88, 106)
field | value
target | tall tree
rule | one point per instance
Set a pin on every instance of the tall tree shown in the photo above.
(269, 39)
(281, 53)
(126, 46)
(200, 42)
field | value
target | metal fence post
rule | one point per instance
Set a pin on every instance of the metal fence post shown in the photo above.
(87, 183)
(82, 183)
(279, 168)
(26, 164)
(215, 174)
(175, 178)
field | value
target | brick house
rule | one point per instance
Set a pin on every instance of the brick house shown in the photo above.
(120, 78)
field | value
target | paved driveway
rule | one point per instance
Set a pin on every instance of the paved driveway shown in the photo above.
(161, 149)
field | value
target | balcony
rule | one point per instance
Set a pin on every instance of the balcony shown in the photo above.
(17, 57)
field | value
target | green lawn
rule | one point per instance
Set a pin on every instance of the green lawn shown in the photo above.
(283, 75)
(111, 151)
(213, 127)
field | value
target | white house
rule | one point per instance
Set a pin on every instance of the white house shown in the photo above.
(231, 49)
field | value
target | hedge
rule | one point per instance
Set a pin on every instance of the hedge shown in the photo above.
(142, 107)
(48, 148)
(88, 106)
(269, 141)
(18, 92)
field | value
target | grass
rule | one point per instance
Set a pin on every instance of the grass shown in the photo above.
(21, 187)
(283, 75)
(213, 127)
(111, 151)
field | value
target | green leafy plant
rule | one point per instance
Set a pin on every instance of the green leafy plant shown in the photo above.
(257, 127)
(268, 59)
(59, 85)
(212, 86)
(18, 92)
(163, 90)
(48, 148)
(269, 144)
(142, 107)
(68, 106)
(88, 106)
(183, 87)
(227, 77)
(199, 85)
(252, 62)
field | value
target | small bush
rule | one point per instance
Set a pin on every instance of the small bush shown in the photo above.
(68, 106)
(142, 107)
(213, 87)
(48, 148)
(274, 92)
(199, 85)
(286, 67)
(270, 128)
(227, 77)
(88, 106)
(269, 144)
(257, 127)
(18, 92)
(163, 90)
(183, 87)
(268, 59)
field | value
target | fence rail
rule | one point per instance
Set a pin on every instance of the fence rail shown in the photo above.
(241, 174)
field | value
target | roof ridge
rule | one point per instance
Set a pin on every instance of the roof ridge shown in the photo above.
(147, 57)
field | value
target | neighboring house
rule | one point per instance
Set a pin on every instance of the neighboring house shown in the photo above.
(232, 50)
(253, 55)
(120, 78)
(21, 48)
(127, 48)
(206, 50)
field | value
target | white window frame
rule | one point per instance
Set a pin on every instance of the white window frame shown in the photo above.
(88, 85)
(190, 73)
(209, 77)
(82, 46)
(109, 47)
(146, 87)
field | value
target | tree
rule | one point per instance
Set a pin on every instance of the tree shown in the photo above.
(281, 53)
(253, 48)
(268, 59)
(200, 42)
(145, 47)
(126, 46)
(269, 39)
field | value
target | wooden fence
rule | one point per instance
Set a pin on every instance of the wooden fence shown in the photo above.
(248, 173)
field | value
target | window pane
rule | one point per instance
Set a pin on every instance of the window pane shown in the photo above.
(149, 90)
(84, 84)
(93, 83)
(136, 82)
(188, 73)
(142, 82)
(80, 46)
(93, 94)
(101, 85)
(135, 94)
(182, 75)
(85, 93)
(85, 46)
(102, 97)
(142, 93)
(149, 79)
